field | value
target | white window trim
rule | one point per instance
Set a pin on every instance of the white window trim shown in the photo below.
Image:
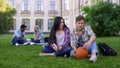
(23, 6)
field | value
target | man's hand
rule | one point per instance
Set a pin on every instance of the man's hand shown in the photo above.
(73, 47)
(86, 45)
(21, 38)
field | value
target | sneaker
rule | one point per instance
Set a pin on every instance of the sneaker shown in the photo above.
(26, 43)
(46, 54)
(41, 54)
(32, 43)
(93, 58)
(16, 44)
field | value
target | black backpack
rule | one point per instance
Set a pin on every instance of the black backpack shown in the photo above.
(106, 50)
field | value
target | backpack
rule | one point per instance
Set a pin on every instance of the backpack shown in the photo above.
(106, 50)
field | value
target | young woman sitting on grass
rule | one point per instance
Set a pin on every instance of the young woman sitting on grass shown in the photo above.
(59, 41)
(38, 36)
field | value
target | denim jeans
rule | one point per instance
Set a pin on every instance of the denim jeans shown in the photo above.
(17, 40)
(62, 52)
(91, 49)
(38, 41)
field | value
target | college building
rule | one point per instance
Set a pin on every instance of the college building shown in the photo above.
(42, 12)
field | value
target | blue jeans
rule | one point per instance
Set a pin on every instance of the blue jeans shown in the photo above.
(62, 52)
(17, 40)
(35, 41)
(38, 41)
(91, 49)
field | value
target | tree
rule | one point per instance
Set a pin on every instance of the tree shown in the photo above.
(6, 16)
(104, 17)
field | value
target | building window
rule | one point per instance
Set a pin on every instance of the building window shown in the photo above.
(66, 5)
(14, 25)
(39, 5)
(26, 22)
(12, 2)
(52, 5)
(50, 23)
(25, 5)
(39, 22)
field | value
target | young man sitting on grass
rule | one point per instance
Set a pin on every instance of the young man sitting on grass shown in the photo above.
(83, 36)
(18, 37)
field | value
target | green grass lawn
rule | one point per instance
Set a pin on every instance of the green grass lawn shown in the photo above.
(27, 56)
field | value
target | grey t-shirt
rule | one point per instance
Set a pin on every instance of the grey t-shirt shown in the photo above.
(60, 38)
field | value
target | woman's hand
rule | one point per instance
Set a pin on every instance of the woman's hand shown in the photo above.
(55, 47)
(60, 47)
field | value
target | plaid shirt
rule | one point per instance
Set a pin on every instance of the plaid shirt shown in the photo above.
(67, 37)
(86, 33)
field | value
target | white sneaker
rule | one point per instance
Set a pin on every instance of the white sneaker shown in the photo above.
(26, 43)
(16, 44)
(93, 58)
(32, 43)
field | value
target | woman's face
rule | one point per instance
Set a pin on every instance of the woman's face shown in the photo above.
(80, 24)
(61, 24)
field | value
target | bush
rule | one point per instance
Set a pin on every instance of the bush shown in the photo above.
(6, 16)
(104, 18)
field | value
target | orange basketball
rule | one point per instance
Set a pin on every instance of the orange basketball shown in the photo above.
(81, 53)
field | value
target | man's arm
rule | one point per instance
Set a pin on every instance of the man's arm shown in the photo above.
(17, 33)
(92, 38)
(73, 40)
(87, 44)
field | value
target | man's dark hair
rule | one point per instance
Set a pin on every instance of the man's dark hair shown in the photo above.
(80, 17)
(23, 26)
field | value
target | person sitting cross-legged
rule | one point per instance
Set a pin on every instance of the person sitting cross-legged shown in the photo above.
(59, 40)
(38, 36)
(19, 36)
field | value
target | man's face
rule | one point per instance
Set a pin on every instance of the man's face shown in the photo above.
(80, 24)
(23, 29)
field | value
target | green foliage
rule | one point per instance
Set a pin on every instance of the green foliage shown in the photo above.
(6, 16)
(86, 9)
(104, 18)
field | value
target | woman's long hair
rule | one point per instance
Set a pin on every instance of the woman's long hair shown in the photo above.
(36, 31)
(55, 27)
